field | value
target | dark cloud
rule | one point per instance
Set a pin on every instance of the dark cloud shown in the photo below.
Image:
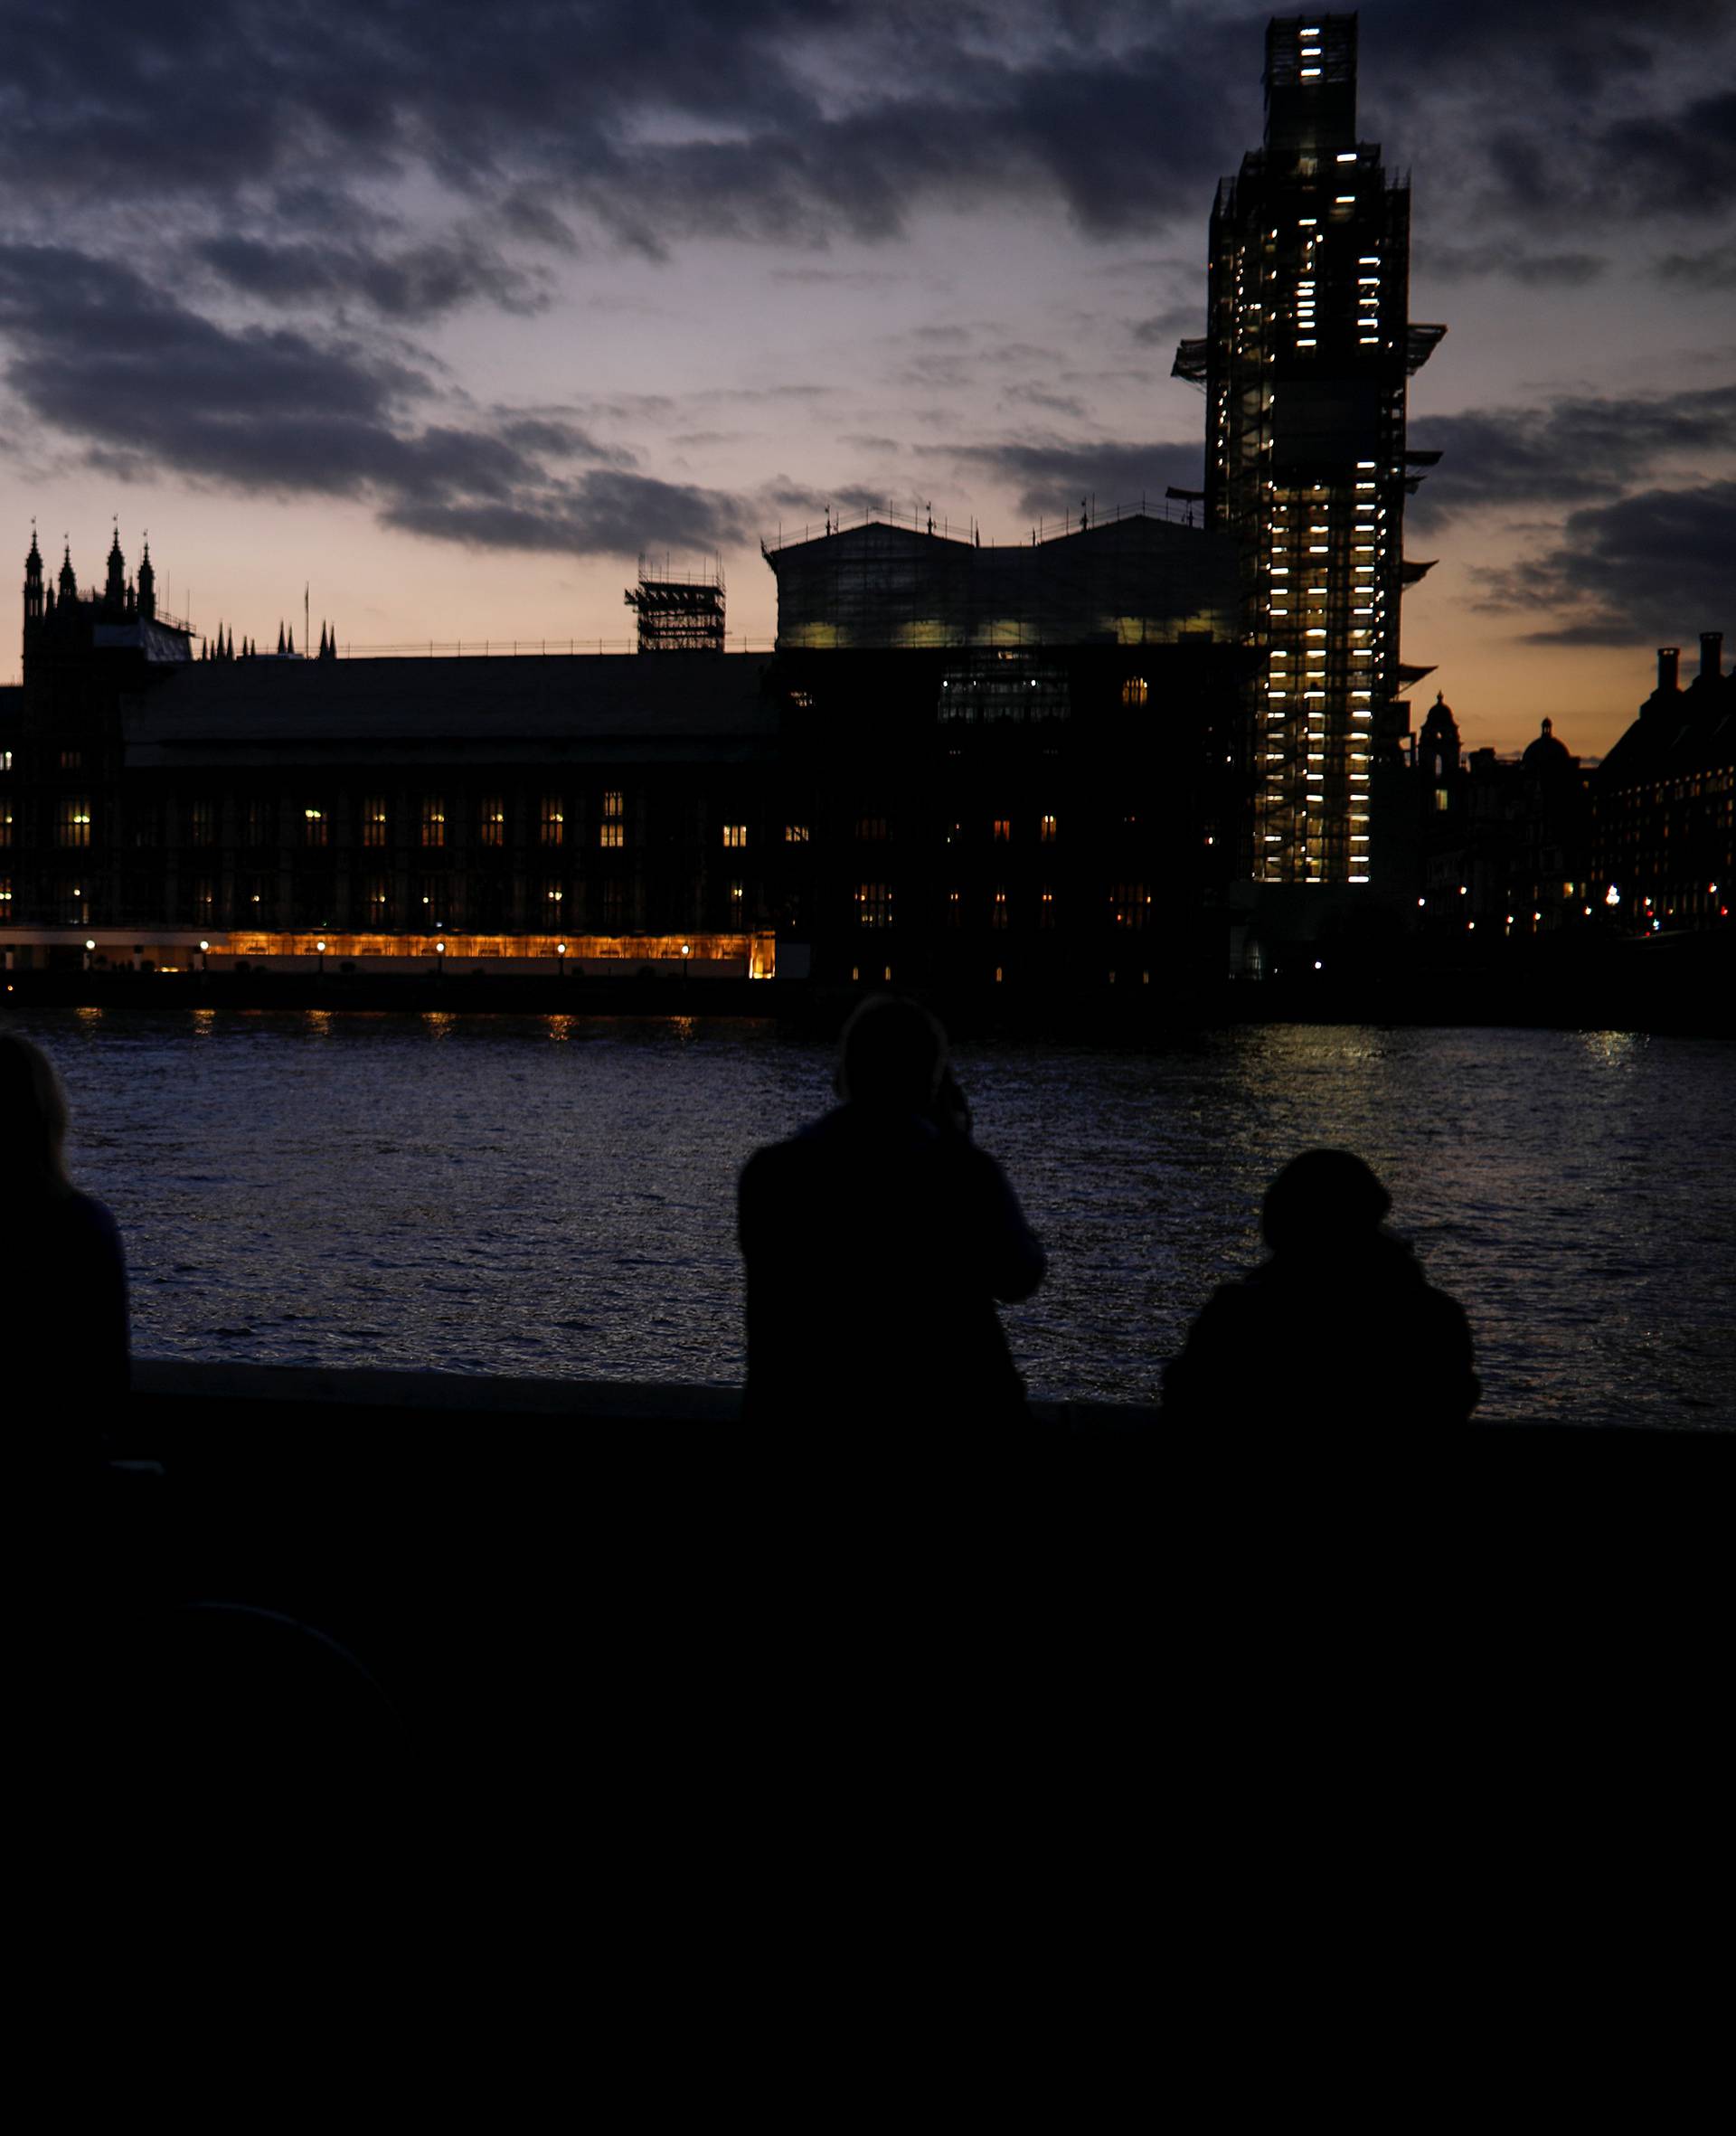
(1713, 269)
(1530, 119)
(416, 283)
(606, 513)
(1165, 328)
(1047, 399)
(792, 120)
(1458, 263)
(1052, 477)
(1567, 450)
(1647, 569)
(152, 388)
(850, 502)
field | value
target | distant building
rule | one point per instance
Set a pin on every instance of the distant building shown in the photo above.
(1664, 803)
(1024, 763)
(963, 765)
(1304, 364)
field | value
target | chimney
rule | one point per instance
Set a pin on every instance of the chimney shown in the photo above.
(1712, 654)
(1668, 656)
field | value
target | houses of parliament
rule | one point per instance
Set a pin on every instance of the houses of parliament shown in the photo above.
(1139, 753)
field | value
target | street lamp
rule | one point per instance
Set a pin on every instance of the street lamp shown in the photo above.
(320, 947)
(204, 955)
(560, 960)
(440, 959)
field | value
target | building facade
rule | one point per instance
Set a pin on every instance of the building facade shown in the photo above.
(1664, 804)
(1009, 768)
(1304, 364)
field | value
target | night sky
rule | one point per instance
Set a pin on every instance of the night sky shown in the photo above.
(451, 311)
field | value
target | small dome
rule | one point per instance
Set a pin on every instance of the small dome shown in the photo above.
(1546, 754)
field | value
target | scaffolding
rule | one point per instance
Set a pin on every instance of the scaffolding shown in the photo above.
(1131, 579)
(679, 613)
(1305, 369)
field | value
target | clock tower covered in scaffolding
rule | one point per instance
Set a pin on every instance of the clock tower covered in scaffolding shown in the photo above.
(1306, 367)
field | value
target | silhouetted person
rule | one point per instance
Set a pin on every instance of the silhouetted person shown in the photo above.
(1337, 1329)
(64, 1356)
(876, 1243)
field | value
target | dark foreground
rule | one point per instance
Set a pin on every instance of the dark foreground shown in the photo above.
(416, 1714)
(472, 1545)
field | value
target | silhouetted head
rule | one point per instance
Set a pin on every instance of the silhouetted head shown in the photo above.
(892, 1055)
(1322, 1198)
(33, 1120)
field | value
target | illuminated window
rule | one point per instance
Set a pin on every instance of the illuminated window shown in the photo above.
(73, 824)
(75, 907)
(5, 759)
(433, 821)
(433, 901)
(373, 821)
(999, 915)
(614, 809)
(553, 896)
(492, 824)
(611, 834)
(6, 897)
(71, 759)
(1002, 830)
(1046, 908)
(1440, 800)
(796, 833)
(377, 901)
(955, 909)
(1129, 906)
(5, 823)
(1133, 690)
(1046, 835)
(738, 898)
(873, 904)
(871, 828)
(735, 834)
(315, 826)
(552, 820)
(205, 898)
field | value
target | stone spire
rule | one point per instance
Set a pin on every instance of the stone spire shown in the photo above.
(114, 592)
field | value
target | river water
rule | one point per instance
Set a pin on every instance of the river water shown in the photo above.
(554, 1195)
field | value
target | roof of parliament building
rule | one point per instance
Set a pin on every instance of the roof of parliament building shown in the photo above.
(1130, 580)
(484, 706)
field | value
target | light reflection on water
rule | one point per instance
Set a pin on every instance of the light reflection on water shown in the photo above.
(462, 1193)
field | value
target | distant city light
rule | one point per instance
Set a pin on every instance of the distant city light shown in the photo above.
(1612, 896)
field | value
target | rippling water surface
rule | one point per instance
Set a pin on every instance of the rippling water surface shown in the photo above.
(555, 1195)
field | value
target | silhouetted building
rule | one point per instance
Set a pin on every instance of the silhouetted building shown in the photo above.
(964, 763)
(1664, 803)
(1020, 763)
(1304, 364)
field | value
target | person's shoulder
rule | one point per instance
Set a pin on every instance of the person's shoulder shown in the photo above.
(73, 1215)
(774, 1164)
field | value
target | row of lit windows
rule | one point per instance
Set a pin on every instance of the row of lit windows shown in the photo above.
(1129, 906)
